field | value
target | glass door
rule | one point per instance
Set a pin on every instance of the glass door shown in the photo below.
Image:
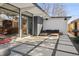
(24, 25)
(29, 25)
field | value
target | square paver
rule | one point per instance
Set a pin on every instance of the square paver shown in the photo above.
(65, 42)
(51, 40)
(65, 37)
(15, 54)
(48, 45)
(60, 53)
(24, 48)
(40, 51)
(33, 43)
(62, 38)
(67, 48)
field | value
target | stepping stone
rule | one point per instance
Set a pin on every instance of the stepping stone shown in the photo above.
(65, 42)
(33, 43)
(51, 41)
(40, 51)
(67, 48)
(66, 39)
(48, 45)
(15, 54)
(24, 48)
(64, 36)
(60, 53)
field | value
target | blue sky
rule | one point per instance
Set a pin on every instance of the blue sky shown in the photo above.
(72, 9)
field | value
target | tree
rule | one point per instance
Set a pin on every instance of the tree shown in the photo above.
(45, 7)
(58, 10)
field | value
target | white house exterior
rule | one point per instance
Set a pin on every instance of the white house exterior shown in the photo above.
(56, 23)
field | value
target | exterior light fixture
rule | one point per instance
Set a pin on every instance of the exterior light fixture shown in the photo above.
(65, 19)
(46, 18)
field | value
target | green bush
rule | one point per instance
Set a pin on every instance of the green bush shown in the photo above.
(1, 38)
(76, 39)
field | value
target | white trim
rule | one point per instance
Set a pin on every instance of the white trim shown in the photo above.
(20, 24)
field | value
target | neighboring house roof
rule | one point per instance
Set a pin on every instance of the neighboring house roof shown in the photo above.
(73, 19)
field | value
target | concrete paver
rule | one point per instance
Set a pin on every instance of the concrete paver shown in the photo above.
(66, 46)
(24, 48)
(65, 43)
(51, 41)
(63, 47)
(33, 43)
(40, 51)
(60, 53)
(15, 54)
(48, 45)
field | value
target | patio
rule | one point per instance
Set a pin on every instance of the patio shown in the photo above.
(37, 45)
(46, 47)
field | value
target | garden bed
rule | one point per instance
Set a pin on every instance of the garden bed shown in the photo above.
(4, 39)
(75, 42)
(75, 39)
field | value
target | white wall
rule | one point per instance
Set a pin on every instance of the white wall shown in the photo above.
(55, 24)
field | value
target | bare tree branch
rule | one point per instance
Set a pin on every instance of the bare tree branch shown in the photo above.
(58, 10)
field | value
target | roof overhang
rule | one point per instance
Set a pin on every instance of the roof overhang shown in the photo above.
(61, 17)
(32, 8)
(65, 17)
(73, 19)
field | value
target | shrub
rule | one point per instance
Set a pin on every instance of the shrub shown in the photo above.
(1, 38)
(76, 39)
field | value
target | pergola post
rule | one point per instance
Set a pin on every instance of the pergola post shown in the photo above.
(20, 24)
(27, 25)
(33, 26)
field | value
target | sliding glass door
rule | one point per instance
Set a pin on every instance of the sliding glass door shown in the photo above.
(30, 25)
(24, 25)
